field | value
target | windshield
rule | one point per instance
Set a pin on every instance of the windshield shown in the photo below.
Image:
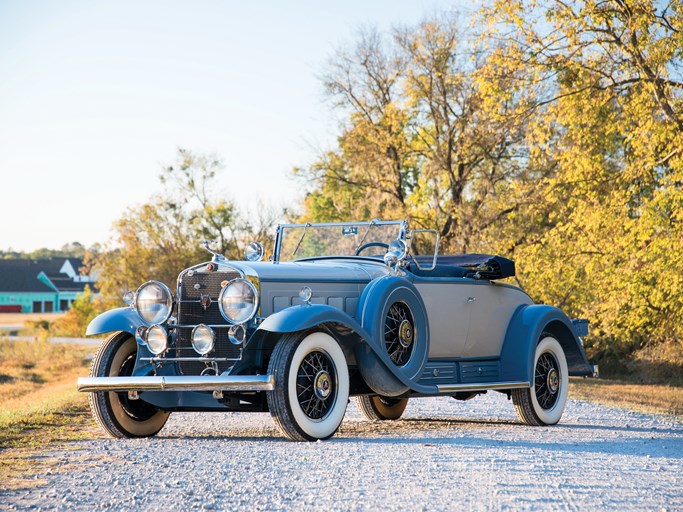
(297, 241)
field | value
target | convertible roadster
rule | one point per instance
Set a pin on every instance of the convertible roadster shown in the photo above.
(364, 309)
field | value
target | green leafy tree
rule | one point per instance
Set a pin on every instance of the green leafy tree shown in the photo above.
(158, 239)
(83, 309)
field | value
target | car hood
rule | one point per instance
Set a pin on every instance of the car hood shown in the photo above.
(324, 269)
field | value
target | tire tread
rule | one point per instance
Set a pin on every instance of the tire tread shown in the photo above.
(369, 410)
(277, 401)
(98, 401)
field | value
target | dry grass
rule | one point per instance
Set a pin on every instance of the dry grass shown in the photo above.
(39, 404)
(22, 318)
(647, 398)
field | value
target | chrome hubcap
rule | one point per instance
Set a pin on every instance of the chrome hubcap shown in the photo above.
(323, 385)
(405, 333)
(553, 380)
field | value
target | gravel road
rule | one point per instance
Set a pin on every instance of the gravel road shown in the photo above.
(444, 455)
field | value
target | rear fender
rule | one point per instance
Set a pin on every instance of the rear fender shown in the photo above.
(524, 332)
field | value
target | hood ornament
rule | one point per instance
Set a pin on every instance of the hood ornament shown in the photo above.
(205, 301)
(216, 256)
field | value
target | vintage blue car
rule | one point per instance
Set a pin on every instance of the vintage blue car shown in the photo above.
(365, 309)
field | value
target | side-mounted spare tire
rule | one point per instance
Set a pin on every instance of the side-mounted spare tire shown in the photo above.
(393, 312)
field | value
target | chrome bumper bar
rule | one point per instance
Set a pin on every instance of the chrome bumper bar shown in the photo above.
(179, 383)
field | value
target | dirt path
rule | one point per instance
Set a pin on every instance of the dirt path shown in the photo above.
(445, 455)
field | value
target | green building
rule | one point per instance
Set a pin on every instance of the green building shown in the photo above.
(41, 286)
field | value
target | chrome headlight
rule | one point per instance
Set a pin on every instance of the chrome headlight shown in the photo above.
(203, 338)
(154, 302)
(157, 339)
(238, 301)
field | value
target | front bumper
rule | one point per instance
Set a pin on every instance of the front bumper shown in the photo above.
(178, 383)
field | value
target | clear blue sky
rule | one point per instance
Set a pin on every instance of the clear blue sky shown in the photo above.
(95, 96)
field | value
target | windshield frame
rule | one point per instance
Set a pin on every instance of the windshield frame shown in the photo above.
(402, 232)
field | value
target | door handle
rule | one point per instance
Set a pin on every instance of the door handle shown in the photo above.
(471, 299)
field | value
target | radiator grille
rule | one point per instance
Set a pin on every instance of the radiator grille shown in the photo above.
(209, 283)
(191, 313)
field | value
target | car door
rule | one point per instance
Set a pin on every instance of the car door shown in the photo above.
(448, 307)
(492, 307)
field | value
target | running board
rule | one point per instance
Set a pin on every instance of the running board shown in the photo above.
(481, 386)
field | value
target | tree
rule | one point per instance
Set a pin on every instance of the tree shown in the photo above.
(612, 124)
(83, 309)
(555, 137)
(429, 136)
(158, 239)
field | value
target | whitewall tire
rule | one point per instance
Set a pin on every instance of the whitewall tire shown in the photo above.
(311, 386)
(544, 402)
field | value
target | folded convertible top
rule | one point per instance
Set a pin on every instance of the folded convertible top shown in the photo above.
(483, 266)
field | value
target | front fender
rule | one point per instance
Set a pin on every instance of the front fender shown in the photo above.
(306, 316)
(120, 319)
(524, 332)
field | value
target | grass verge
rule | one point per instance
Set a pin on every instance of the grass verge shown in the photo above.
(39, 405)
(646, 398)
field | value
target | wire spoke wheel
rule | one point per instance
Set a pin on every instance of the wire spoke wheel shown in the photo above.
(138, 410)
(316, 385)
(399, 333)
(544, 402)
(547, 380)
(308, 401)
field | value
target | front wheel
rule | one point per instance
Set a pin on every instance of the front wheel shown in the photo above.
(115, 412)
(544, 402)
(381, 408)
(311, 386)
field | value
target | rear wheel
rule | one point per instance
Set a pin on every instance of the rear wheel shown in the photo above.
(544, 402)
(380, 408)
(115, 412)
(311, 386)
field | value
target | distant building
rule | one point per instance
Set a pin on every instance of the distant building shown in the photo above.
(41, 286)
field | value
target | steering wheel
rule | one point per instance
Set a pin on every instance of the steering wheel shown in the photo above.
(371, 244)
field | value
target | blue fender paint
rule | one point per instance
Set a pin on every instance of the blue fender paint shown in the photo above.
(120, 319)
(527, 325)
(372, 310)
(305, 316)
(377, 368)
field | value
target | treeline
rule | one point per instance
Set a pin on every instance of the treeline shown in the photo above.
(70, 250)
(549, 132)
(545, 131)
